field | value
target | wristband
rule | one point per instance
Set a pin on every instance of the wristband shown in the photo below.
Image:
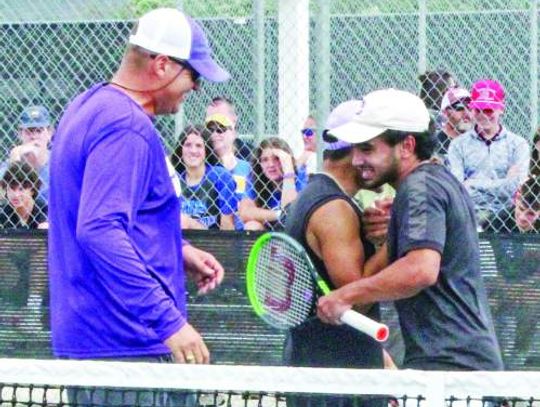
(278, 213)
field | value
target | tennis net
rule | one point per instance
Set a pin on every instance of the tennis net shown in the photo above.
(28, 382)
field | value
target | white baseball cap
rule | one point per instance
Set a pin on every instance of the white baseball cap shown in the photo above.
(342, 114)
(381, 110)
(170, 32)
(454, 96)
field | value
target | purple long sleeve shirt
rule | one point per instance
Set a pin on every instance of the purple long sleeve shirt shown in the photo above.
(115, 260)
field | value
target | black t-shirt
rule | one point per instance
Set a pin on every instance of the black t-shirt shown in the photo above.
(447, 325)
(314, 343)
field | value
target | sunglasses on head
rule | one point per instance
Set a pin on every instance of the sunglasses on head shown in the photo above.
(308, 132)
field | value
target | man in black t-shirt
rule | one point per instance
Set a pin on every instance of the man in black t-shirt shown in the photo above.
(433, 271)
(327, 222)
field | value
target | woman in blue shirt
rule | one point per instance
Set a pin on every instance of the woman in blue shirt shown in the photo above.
(273, 184)
(208, 195)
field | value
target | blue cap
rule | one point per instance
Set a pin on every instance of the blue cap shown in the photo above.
(35, 116)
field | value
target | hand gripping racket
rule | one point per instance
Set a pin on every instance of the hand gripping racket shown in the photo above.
(282, 282)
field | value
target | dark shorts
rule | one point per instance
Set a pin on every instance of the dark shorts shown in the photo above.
(315, 344)
(97, 397)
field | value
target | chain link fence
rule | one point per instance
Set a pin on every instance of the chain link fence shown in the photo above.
(288, 60)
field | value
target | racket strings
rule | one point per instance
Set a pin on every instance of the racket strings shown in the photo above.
(284, 285)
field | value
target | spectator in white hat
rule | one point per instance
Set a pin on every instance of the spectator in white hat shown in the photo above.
(117, 262)
(457, 119)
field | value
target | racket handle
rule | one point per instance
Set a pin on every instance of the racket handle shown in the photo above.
(366, 325)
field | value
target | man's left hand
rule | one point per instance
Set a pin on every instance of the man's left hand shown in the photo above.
(205, 270)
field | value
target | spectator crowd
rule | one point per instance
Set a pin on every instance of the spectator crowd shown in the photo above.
(229, 183)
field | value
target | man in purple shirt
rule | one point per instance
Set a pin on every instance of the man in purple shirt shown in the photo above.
(117, 260)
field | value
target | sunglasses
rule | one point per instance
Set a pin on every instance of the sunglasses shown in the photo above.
(212, 128)
(486, 112)
(460, 104)
(308, 132)
(195, 76)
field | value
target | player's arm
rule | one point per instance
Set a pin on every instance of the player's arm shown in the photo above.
(420, 244)
(377, 262)
(333, 234)
(403, 278)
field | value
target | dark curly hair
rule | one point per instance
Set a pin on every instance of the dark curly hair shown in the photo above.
(530, 192)
(21, 174)
(433, 86)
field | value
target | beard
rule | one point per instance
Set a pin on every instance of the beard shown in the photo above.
(463, 126)
(371, 178)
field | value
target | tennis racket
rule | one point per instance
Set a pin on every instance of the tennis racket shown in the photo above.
(282, 285)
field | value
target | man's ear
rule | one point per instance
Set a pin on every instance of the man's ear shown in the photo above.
(159, 65)
(407, 146)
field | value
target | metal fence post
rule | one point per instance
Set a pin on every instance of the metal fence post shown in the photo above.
(534, 66)
(293, 70)
(179, 117)
(422, 35)
(322, 72)
(258, 12)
